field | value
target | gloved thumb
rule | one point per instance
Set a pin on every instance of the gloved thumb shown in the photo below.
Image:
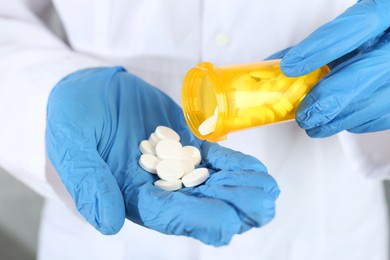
(219, 157)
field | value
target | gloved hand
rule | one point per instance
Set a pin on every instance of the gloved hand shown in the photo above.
(97, 118)
(354, 95)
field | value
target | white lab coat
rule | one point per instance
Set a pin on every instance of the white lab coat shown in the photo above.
(329, 207)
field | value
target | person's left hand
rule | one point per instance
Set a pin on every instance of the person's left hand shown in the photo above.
(354, 95)
(96, 119)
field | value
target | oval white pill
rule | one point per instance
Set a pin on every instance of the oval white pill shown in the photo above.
(208, 126)
(169, 185)
(170, 169)
(192, 153)
(195, 177)
(216, 111)
(168, 149)
(147, 148)
(164, 132)
(149, 163)
(153, 139)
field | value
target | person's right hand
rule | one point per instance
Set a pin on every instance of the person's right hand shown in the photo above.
(353, 96)
(95, 122)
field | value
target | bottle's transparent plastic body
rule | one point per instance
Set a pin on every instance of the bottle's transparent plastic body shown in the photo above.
(242, 96)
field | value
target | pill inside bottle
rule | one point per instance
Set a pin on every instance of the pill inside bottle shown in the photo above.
(220, 100)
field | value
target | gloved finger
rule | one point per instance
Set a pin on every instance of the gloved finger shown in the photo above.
(71, 147)
(360, 76)
(379, 124)
(358, 113)
(253, 179)
(358, 24)
(209, 220)
(219, 157)
(343, 59)
(257, 207)
(278, 55)
(366, 47)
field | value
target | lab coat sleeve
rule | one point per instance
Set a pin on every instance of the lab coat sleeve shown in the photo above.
(368, 153)
(32, 61)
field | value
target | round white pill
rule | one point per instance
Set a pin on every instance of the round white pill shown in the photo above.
(208, 126)
(149, 163)
(187, 165)
(169, 185)
(168, 149)
(195, 177)
(164, 132)
(192, 153)
(170, 169)
(147, 148)
(153, 139)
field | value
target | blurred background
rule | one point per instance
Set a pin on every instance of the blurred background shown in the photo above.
(20, 210)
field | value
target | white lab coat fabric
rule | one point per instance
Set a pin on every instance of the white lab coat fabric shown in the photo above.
(329, 208)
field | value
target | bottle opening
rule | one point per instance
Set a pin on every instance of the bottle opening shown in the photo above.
(199, 100)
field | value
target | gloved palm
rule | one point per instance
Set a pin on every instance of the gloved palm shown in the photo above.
(96, 120)
(354, 95)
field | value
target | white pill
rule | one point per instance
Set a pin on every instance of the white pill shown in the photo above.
(208, 126)
(187, 165)
(170, 169)
(164, 132)
(147, 148)
(168, 149)
(192, 153)
(216, 111)
(262, 73)
(195, 177)
(149, 163)
(169, 185)
(282, 107)
(153, 139)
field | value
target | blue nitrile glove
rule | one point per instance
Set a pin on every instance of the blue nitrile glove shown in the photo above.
(96, 120)
(354, 96)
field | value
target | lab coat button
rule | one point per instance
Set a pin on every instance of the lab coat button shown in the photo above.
(222, 40)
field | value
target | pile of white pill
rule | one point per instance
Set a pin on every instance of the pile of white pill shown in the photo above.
(174, 164)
